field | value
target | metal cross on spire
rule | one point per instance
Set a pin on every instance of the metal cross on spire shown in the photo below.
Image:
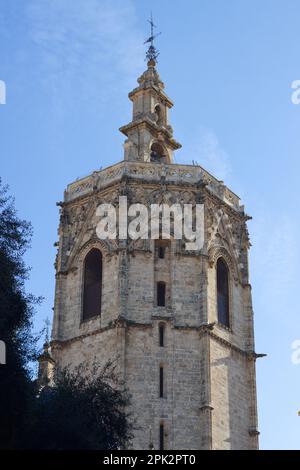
(152, 53)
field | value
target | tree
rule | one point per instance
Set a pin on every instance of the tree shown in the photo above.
(16, 312)
(80, 411)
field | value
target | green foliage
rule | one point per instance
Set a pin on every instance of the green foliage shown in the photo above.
(16, 311)
(81, 411)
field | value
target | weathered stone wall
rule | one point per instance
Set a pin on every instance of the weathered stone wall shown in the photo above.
(209, 377)
(179, 408)
(84, 350)
(231, 398)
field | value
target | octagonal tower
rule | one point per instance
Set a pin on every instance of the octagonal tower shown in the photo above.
(178, 323)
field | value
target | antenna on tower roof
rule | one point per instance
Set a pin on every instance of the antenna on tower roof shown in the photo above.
(152, 53)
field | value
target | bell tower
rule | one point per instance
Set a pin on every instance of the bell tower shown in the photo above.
(149, 134)
(178, 323)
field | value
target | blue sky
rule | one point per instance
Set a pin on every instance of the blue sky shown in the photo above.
(68, 66)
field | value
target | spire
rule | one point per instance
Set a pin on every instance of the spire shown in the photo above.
(152, 53)
(149, 134)
(46, 362)
(46, 367)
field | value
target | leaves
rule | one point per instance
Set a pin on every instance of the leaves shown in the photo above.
(81, 411)
(16, 312)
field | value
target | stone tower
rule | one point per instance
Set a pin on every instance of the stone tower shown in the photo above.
(179, 323)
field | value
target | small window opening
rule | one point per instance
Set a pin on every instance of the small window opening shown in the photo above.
(161, 437)
(161, 252)
(161, 336)
(161, 294)
(161, 382)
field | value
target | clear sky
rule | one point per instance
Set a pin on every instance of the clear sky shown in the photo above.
(228, 65)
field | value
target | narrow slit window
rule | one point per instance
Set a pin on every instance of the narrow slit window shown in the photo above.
(161, 294)
(161, 382)
(161, 437)
(161, 335)
(161, 252)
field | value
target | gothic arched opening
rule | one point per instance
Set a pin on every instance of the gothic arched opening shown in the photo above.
(223, 292)
(158, 153)
(92, 284)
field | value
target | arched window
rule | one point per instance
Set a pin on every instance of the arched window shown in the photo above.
(157, 153)
(222, 292)
(161, 294)
(92, 288)
(161, 330)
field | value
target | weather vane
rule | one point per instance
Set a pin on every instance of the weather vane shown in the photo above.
(152, 53)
